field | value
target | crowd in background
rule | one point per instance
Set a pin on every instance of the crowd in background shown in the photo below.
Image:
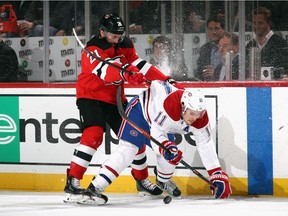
(146, 17)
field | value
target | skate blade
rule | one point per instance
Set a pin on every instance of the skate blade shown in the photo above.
(87, 200)
(72, 198)
(176, 194)
(144, 194)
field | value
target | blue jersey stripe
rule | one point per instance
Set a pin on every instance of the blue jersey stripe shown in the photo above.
(259, 141)
(167, 88)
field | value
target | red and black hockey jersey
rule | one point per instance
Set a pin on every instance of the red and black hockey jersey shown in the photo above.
(99, 80)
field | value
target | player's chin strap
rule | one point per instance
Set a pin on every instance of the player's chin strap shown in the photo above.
(142, 131)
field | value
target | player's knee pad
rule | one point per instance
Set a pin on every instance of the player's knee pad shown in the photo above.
(111, 168)
(139, 164)
(141, 151)
(126, 152)
(92, 136)
(165, 170)
(139, 160)
(119, 159)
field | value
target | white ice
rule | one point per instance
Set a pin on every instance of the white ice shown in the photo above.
(49, 204)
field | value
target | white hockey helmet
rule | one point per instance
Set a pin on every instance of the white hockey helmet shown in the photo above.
(193, 100)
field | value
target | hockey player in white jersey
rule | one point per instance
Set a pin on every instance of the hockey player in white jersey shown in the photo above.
(160, 110)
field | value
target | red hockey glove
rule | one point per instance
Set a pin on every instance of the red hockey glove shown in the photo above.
(135, 77)
(174, 83)
(172, 155)
(221, 180)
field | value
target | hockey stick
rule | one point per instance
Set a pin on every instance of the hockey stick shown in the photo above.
(97, 57)
(125, 117)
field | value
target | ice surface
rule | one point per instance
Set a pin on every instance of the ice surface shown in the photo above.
(49, 204)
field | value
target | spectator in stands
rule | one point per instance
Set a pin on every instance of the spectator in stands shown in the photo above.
(19, 7)
(194, 17)
(98, 8)
(135, 25)
(229, 51)
(278, 10)
(194, 20)
(60, 19)
(196, 23)
(163, 57)
(274, 48)
(209, 63)
(146, 16)
(8, 63)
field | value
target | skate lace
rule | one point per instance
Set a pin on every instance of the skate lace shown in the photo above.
(76, 183)
(148, 184)
(168, 186)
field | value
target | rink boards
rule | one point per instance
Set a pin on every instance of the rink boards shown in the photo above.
(39, 129)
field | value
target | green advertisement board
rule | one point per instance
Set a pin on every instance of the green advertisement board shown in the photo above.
(9, 129)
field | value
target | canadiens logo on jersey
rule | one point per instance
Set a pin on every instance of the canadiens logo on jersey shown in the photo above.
(133, 133)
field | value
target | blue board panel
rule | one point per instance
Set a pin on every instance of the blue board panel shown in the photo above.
(259, 140)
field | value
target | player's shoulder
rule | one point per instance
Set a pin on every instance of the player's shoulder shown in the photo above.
(103, 44)
(126, 43)
(201, 122)
(98, 42)
(172, 105)
(163, 84)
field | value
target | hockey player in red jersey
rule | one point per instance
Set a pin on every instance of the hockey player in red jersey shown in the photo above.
(161, 110)
(96, 90)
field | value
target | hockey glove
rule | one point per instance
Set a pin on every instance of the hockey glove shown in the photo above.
(221, 180)
(174, 83)
(172, 154)
(135, 77)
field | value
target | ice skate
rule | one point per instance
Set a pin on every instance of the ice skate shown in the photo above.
(73, 190)
(146, 188)
(93, 196)
(170, 187)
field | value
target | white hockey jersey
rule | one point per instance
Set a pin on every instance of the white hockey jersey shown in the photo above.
(162, 109)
